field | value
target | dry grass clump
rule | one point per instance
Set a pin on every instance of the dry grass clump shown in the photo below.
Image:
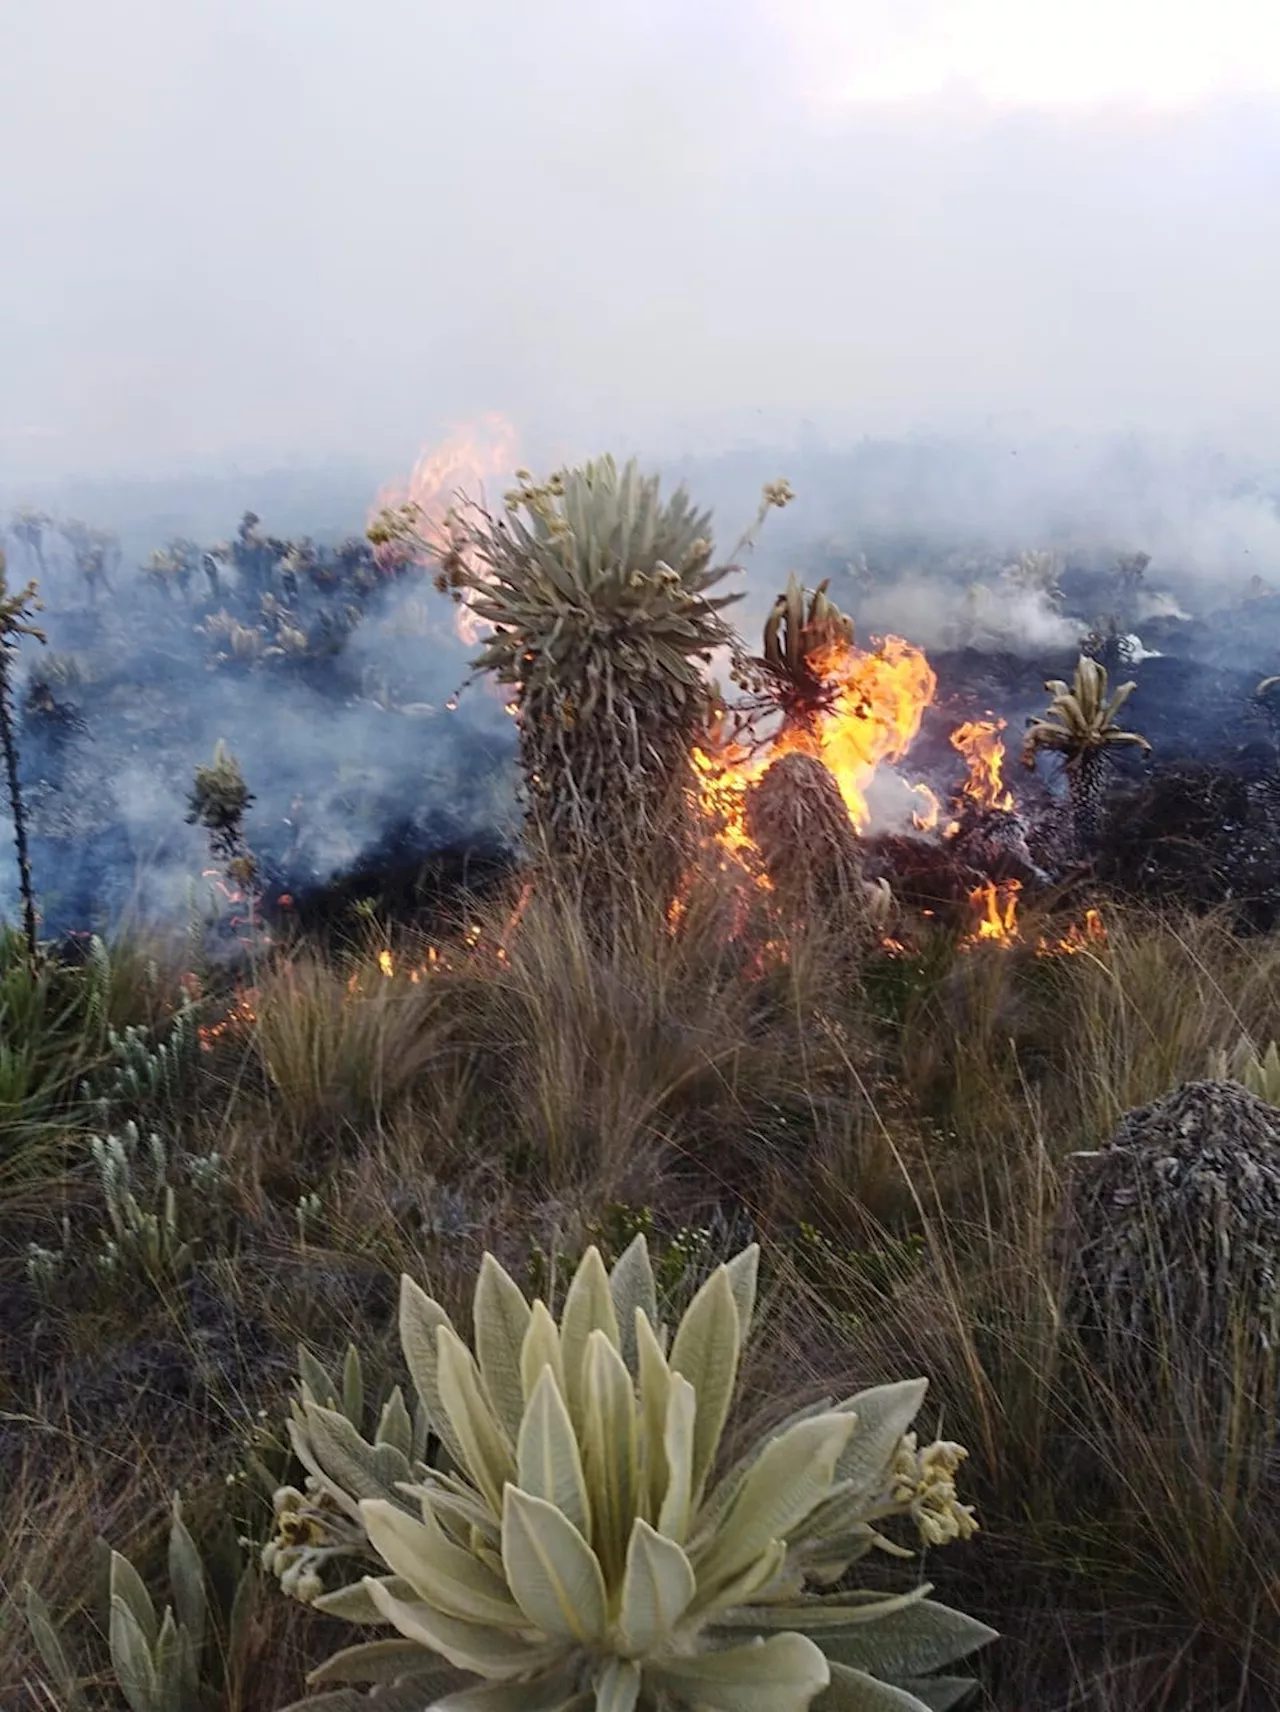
(896, 1134)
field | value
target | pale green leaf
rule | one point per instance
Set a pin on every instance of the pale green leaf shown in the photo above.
(551, 1693)
(353, 1386)
(883, 1414)
(486, 1451)
(370, 1661)
(420, 1319)
(705, 1352)
(541, 1348)
(792, 1476)
(757, 1580)
(501, 1323)
(131, 1657)
(355, 1604)
(632, 1287)
(394, 1425)
(726, 1488)
(610, 1452)
(498, 1655)
(167, 1661)
(438, 1571)
(913, 1641)
(657, 1589)
(855, 1691)
(414, 1694)
(127, 1584)
(744, 1270)
(186, 1577)
(618, 1686)
(548, 1462)
(678, 1440)
(553, 1574)
(351, 1463)
(655, 1392)
(829, 1615)
(588, 1307)
(314, 1378)
(779, 1675)
(940, 1693)
(52, 1652)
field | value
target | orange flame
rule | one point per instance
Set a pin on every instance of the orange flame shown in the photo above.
(997, 910)
(475, 454)
(1086, 936)
(873, 705)
(979, 741)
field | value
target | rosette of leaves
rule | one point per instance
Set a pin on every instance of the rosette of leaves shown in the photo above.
(1080, 725)
(586, 1548)
(799, 639)
(192, 1657)
(601, 596)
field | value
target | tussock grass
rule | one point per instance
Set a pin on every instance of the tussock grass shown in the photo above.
(895, 1131)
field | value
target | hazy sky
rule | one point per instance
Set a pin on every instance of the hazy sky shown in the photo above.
(298, 229)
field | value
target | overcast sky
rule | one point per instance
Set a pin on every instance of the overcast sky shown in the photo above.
(305, 229)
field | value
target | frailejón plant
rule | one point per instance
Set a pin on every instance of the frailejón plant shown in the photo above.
(1258, 1071)
(581, 1547)
(604, 602)
(175, 1662)
(156, 1659)
(1080, 725)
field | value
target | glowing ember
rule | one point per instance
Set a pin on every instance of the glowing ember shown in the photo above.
(242, 1014)
(870, 712)
(996, 907)
(979, 741)
(481, 453)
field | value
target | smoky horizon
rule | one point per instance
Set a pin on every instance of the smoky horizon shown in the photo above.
(275, 234)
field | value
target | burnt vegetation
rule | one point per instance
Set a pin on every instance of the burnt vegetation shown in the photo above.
(397, 978)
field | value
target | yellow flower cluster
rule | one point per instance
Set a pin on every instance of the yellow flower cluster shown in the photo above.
(924, 1485)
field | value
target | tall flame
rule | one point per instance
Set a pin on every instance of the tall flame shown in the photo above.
(982, 746)
(475, 455)
(873, 704)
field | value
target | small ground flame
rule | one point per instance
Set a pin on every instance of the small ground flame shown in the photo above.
(996, 907)
(1089, 935)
